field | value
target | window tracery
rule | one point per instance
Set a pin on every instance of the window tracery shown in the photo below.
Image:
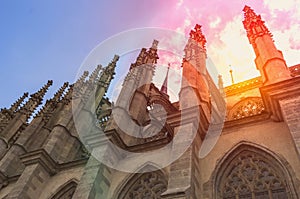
(245, 108)
(66, 192)
(252, 176)
(147, 186)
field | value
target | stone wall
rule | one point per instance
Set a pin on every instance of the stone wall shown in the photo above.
(291, 113)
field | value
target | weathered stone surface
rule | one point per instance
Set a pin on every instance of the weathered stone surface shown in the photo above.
(253, 151)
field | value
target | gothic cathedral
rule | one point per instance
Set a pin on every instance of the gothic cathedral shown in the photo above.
(239, 141)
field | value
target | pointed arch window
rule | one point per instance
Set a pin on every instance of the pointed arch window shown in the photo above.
(146, 185)
(252, 174)
(65, 192)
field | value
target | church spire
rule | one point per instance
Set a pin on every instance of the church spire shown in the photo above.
(164, 87)
(269, 60)
(108, 73)
(147, 57)
(198, 36)
(254, 25)
(194, 72)
(195, 49)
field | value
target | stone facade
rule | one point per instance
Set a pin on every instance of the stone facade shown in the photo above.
(241, 141)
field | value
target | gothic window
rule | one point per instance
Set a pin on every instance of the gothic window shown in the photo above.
(66, 192)
(146, 186)
(251, 175)
(245, 108)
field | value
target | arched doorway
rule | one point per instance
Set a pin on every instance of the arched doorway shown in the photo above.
(249, 172)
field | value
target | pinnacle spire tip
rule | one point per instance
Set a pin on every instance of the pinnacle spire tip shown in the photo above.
(154, 44)
(198, 36)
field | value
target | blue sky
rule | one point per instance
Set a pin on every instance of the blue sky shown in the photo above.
(43, 40)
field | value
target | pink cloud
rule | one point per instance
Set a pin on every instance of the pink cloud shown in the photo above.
(215, 16)
(175, 15)
(283, 20)
(294, 43)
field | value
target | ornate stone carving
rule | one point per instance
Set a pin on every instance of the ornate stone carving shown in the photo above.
(35, 100)
(250, 175)
(195, 47)
(46, 111)
(246, 108)
(198, 36)
(254, 25)
(148, 185)
(145, 57)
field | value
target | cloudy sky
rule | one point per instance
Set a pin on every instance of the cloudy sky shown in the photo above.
(43, 40)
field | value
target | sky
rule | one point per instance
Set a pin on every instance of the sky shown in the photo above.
(43, 40)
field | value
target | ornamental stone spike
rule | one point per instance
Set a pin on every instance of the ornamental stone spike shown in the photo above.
(112, 65)
(254, 25)
(152, 56)
(68, 95)
(154, 44)
(15, 106)
(91, 83)
(60, 92)
(140, 59)
(164, 87)
(40, 94)
(78, 86)
(51, 104)
(81, 79)
(110, 68)
(35, 100)
(269, 60)
(198, 36)
(115, 59)
(95, 74)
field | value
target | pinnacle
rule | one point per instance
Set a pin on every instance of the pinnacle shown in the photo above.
(112, 64)
(246, 8)
(116, 58)
(17, 104)
(52, 103)
(254, 25)
(114, 61)
(164, 87)
(60, 92)
(95, 73)
(35, 100)
(154, 44)
(198, 36)
(68, 96)
(85, 74)
(40, 94)
(81, 79)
